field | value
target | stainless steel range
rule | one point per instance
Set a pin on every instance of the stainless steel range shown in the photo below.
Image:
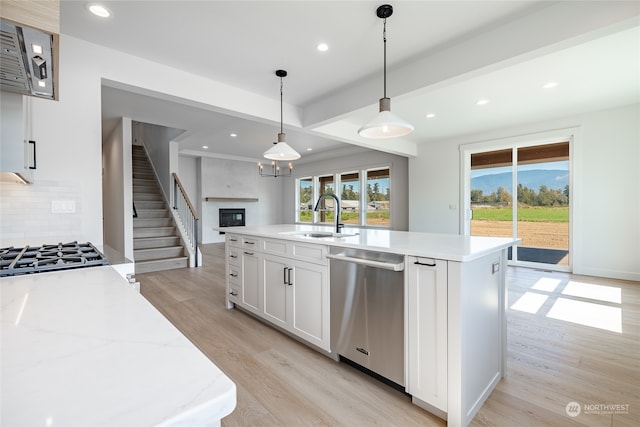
(37, 259)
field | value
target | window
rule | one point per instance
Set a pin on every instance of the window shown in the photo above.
(357, 206)
(326, 185)
(378, 197)
(305, 199)
(523, 191)
(350, 198)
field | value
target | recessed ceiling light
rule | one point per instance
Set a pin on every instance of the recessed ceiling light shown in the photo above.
(233, 135)
(323, 47)
(309, 149)
(205, 146)
(430, 116)
(550, 85)
(99, 10)
(482, 102)
(37, 49)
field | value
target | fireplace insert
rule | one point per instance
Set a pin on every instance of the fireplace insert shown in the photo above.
(231, 217)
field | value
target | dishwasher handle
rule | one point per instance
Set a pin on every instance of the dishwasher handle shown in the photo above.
(399, 266)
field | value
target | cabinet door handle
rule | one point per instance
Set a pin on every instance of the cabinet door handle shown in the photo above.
(289, 281)
(250, 243)
(34, 155)
(233, 275)
(233, 256)
(233, 293)
(248, 253)
(231, 239)
(425, 264)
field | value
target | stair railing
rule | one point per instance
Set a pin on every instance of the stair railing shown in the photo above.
(186, 213)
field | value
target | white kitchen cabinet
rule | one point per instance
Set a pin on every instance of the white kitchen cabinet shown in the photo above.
(427, 333)
(296, 298)
(285, 283)
(250, 270)
(309, 292)
(251, 289)
(244, 263)
(276, 290)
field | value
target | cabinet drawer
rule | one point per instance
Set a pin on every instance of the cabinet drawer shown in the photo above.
(276, 247)
(234, 293)
(235, 275)
(312, 253)
(233, 256)
(251, 243)
(234, 240)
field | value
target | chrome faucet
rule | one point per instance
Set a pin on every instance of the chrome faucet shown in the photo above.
(337, 209)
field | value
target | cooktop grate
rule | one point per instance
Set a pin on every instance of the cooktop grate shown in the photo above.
(37, 259)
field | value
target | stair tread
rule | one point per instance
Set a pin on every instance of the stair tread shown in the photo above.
(159, 248)
(156, 238)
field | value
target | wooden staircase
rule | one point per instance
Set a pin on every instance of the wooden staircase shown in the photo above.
(156, 243)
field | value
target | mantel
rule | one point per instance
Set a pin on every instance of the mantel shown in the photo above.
(230, 199)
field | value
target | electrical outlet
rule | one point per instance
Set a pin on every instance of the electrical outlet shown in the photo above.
(63, 206)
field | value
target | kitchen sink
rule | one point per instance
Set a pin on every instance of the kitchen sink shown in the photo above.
(319, 234)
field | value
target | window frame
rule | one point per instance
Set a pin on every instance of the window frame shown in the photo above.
(337, 184)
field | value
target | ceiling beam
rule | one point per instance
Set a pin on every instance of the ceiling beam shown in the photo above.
(558, 26)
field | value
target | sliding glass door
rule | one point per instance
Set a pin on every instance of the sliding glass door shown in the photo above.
(523, 191)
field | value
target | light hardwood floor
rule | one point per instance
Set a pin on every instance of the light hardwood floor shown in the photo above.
(551, 362)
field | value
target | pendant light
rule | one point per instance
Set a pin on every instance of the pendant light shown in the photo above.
(281, 151)
(385, 124)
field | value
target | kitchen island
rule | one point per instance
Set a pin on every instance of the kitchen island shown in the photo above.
(454, 302)
(82, 347)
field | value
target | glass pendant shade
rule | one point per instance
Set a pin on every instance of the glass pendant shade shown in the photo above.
(281, 151)
(385, 124)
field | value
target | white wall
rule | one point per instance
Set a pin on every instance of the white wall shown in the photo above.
(348, 162)
(605, 223)
(69, 159)
(231, 178)
(69, 136)
(117, 190)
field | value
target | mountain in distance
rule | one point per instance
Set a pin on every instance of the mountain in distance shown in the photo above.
(533, 179)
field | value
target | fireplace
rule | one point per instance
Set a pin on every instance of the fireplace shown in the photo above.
(230, 217)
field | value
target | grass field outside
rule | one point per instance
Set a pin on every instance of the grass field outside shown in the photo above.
(531, 214)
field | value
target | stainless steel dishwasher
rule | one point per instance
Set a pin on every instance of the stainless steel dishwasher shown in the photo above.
(367, 310)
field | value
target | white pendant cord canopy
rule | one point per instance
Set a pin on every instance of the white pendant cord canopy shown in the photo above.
(385, 124)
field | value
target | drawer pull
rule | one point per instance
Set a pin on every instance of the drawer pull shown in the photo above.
(233, 275)
(233, 293)
(250, 243)
(248, 253)
(231, 239)
(425, 264)
(233, 256)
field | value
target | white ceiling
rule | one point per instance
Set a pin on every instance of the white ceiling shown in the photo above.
(442, 57)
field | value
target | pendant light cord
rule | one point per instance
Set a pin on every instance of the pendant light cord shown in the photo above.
(281, 105)
(384, 40)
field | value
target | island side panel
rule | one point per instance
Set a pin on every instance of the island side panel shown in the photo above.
(477, 326)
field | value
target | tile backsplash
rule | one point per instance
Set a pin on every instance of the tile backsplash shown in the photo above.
(40, 210)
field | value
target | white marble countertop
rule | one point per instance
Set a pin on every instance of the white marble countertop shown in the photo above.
(83, 348)
(452, 247)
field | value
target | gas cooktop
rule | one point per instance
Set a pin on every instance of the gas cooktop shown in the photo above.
(37, 259)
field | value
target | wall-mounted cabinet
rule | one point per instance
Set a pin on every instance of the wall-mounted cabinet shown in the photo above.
(17, 150)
